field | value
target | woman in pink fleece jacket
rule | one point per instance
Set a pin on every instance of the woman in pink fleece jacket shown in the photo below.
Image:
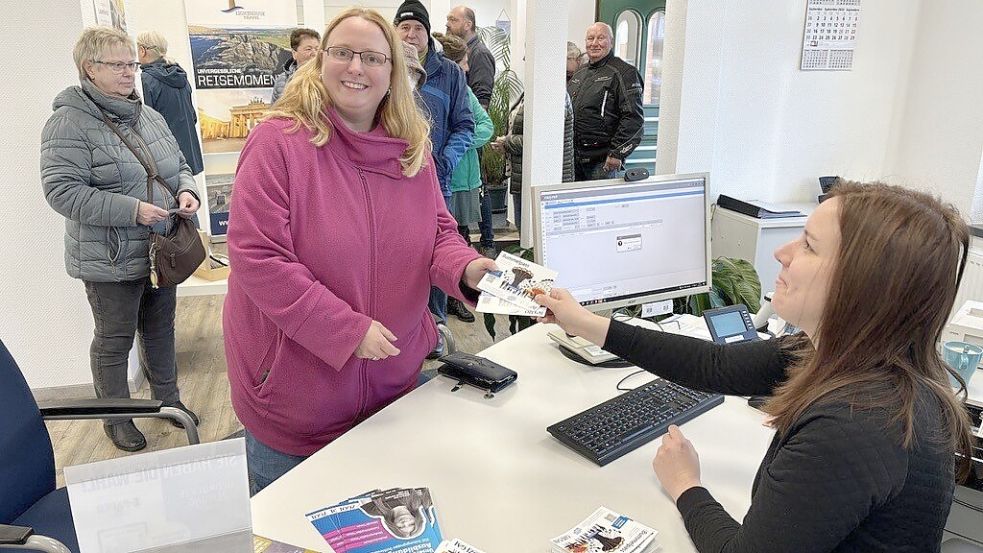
(336, 233)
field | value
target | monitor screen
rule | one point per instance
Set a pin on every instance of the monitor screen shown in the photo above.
(617, 243)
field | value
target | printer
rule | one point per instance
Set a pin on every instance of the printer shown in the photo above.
(966, 325)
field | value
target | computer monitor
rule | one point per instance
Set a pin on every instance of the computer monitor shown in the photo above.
(616, 243)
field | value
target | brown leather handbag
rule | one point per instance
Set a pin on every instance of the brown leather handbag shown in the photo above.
(173, 256)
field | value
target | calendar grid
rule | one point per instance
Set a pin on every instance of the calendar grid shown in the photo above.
(830, 35)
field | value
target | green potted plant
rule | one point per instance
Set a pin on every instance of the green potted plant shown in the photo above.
(734, 281)
(505, 91)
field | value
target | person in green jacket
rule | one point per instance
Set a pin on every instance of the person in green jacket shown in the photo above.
(465, 202)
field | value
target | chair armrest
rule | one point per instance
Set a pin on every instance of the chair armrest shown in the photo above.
(23, 537)
(14, 535)
(106, 406)
(123, 408)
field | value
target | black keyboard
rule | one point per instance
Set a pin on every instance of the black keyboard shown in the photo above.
(619, 425)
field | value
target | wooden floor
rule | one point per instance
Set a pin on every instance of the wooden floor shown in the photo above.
(204, 386)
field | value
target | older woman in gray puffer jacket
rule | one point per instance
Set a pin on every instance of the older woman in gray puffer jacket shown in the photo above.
(92, 179)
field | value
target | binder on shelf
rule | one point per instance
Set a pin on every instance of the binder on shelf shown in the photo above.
(755, 208)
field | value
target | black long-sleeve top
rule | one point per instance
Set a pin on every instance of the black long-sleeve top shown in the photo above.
(839, 479)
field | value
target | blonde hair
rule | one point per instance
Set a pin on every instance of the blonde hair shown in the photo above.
(152, 40)
(305, 97)
(94, 42)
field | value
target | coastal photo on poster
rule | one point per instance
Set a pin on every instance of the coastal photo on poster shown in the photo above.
(237, 57)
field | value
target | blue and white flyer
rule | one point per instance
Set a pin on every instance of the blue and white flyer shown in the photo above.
(395, 521)
(518, 281)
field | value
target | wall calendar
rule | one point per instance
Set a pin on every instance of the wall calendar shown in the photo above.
(830, 35)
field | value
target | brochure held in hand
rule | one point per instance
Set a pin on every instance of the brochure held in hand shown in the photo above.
(511, 289)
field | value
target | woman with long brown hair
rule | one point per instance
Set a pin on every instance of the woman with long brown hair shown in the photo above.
(868, 428)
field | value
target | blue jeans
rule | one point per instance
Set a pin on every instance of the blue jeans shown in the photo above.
(266, 464)
(587, 169)
(438, 304)
(486, 225)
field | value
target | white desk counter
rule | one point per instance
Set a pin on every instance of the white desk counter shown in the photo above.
(498, 479)
(196, 286)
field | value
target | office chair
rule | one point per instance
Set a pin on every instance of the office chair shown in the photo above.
(33, 514)
(957, 545)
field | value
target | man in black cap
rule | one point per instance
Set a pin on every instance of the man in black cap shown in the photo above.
(451, 121)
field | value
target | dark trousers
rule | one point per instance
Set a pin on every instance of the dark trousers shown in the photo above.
(486, 226)
(120, 311)
(591, 169)
(438, 304)
(465, 233)
(517, 206)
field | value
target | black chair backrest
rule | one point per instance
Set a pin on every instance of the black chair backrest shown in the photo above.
(27, 462)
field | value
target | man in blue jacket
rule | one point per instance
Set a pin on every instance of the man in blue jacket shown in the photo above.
(446, 97)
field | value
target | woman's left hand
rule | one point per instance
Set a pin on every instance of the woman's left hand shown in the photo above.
(188, 204)
(677, 464)
(477, 269)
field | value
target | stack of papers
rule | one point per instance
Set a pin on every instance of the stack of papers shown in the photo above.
(457, 546)
(398, 520)
(605, 531)
(510, 291)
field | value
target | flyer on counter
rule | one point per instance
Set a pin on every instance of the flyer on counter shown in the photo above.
(399, 520)
(518, 281)
(605, 531)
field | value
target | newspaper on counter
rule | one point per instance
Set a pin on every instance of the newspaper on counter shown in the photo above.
(518, 281)
(398, 520)
(605, 531)
(457, 546)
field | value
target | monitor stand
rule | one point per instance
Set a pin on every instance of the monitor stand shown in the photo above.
(616, 363)
(582, 351)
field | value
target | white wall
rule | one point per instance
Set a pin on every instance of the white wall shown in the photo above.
(46, 320)
(580, 16)
(938, 135)
(545, 90)
(763, 128)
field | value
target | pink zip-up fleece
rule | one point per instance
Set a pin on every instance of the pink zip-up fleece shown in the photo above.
(322, 241)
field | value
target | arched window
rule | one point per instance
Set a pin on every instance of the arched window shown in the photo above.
(653, 58)
(627, 36)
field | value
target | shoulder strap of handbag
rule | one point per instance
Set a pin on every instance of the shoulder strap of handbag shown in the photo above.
(149, 165)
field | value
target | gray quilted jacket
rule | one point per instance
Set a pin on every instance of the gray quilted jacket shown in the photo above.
(96, 183)
(513, 144)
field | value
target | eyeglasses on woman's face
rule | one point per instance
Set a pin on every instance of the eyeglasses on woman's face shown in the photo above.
(119, 67)
(341, 54)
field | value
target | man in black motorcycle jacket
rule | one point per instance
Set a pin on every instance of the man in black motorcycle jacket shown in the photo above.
(607, 107)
